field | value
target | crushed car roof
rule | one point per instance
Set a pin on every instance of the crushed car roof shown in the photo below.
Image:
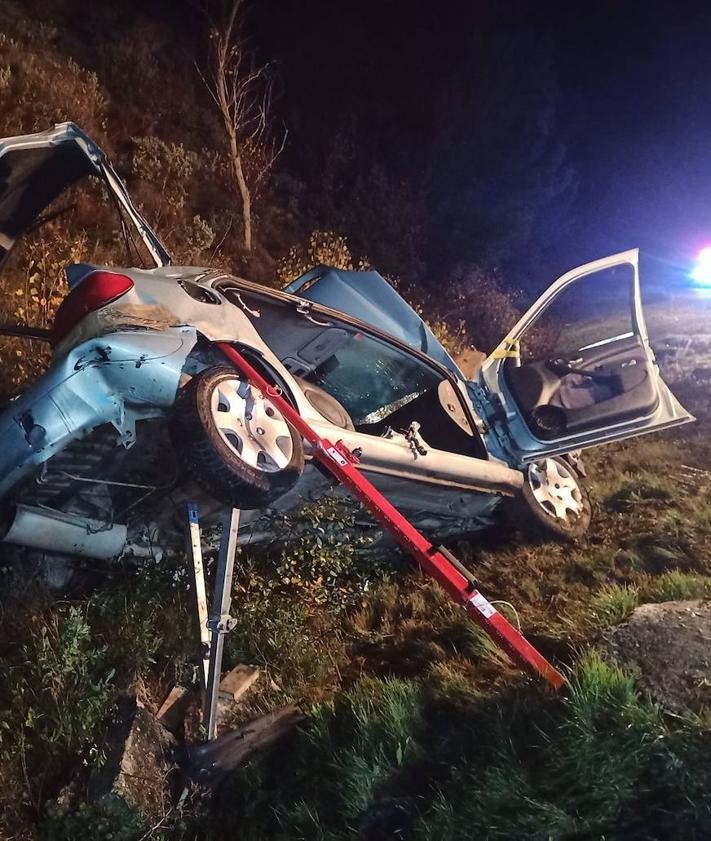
(368, 297)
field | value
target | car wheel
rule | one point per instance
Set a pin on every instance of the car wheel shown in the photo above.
(233, 441)
(553, 503)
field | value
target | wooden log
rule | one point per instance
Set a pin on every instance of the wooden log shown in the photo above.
(213, 761)
(236, 682)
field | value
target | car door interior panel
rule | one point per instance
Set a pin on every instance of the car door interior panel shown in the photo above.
(607, 384)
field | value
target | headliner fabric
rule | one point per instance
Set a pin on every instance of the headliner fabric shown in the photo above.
(31, 179)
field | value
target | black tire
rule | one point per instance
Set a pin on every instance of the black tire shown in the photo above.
(526, 512)
(211, 462)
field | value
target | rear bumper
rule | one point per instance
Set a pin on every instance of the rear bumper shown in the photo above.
(116, 379)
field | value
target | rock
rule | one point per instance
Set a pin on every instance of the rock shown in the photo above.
(137, 765)
(669, 647)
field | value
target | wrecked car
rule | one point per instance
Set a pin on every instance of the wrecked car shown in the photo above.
(138, 412)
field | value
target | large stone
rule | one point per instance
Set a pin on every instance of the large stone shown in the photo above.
(138, 763)
(669, 647)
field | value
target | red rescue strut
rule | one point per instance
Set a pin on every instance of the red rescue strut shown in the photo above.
(436, 561)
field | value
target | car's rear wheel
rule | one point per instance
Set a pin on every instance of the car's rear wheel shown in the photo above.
(233, 441)
(553, 503)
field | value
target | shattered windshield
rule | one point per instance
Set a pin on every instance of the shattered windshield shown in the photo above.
(372, 379)
(369, 377)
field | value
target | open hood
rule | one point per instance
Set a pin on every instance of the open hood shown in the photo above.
(37, 168)
(370, 298)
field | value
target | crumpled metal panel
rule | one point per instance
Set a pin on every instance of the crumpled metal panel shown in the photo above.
(117, 379)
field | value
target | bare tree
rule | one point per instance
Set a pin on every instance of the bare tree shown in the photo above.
(243, 92)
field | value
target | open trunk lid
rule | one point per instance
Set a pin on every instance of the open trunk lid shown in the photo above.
(35, 169)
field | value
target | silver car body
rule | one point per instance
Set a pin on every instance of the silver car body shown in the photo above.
(123, 364)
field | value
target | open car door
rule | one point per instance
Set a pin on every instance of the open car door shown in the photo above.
(577, 369)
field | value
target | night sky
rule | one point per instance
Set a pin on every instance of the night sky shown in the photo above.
(632, 82)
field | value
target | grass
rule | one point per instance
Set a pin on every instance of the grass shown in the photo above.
(641, 489)
(420, 759)
(615, 602)
(676, 585)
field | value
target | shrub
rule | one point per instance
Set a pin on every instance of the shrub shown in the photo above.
(61, 689)
(110, 819)
(318, 556)
(326, 248)
(41, 86)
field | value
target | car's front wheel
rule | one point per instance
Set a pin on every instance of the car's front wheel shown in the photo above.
(233, 441)
(553, 502)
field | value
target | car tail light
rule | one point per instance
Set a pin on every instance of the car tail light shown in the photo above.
(96, 290)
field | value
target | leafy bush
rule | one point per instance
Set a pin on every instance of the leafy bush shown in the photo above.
(318, 557)
(61, 688)
(39, 86)
(110, 819)
(324, 248)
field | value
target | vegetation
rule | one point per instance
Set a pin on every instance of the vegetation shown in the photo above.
(417, 726)
(430, 759)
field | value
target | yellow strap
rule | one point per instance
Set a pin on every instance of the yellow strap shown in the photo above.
(508, 350)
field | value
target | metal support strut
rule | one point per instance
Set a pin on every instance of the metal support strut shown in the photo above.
(442, 566)
(214, 628)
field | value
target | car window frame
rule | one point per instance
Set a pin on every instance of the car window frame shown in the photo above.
(306, 306)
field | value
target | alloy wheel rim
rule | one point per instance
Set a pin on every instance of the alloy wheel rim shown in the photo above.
(251, 426)
(555, 489)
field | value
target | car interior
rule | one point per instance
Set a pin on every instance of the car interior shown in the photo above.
(358, 381)
(564, 387)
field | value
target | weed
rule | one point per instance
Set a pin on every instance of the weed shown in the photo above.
(614, 602)
(676, 585)
(110, 819)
